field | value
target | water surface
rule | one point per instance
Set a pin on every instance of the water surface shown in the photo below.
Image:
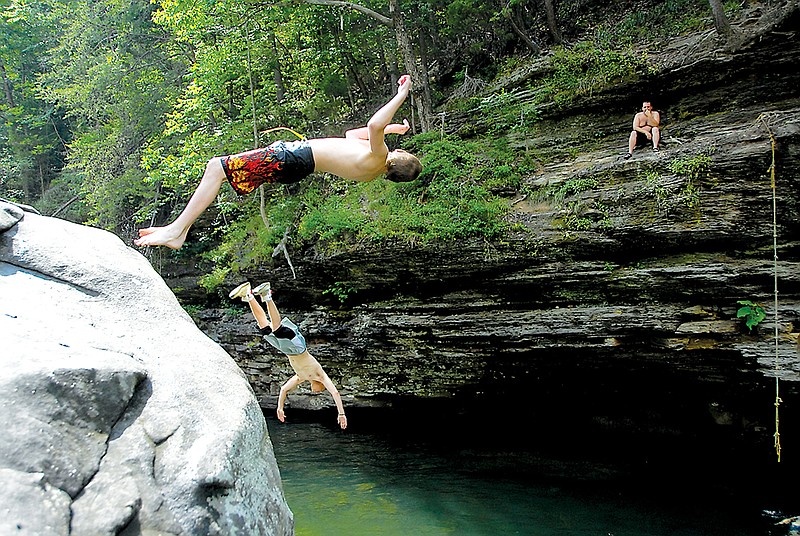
(405, 476)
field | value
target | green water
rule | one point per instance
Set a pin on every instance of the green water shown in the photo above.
(387, 478)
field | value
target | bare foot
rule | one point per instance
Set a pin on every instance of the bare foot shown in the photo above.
(161, 236)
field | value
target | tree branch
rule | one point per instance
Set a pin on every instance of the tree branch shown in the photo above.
(282, 247)
(64, 206)
(351, 5)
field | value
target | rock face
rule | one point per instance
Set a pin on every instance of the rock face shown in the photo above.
(616, 291)
(119, 415)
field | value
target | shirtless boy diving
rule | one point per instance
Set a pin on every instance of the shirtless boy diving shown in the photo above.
(284, 335)
(361, 155)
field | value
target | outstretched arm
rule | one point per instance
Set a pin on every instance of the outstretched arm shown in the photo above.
(362, 133)
(290, 385)
(341, 419)
(380, 120)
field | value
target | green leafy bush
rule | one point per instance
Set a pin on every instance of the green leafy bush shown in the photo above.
(340, 290)
(587, 67)
(455, 203)
(752, 313)
(694, 167)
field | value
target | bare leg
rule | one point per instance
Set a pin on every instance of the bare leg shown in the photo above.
(632, 142)
(656, 132)
(174, 235)
(258, 312)
(274, 315)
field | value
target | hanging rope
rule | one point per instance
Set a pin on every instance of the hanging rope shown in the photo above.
(270, 130)
(262, 201)
(773, 183)
(256, 143)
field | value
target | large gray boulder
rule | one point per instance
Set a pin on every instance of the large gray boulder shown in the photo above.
(118, 415)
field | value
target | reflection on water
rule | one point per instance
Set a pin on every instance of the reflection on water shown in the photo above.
(400, 479)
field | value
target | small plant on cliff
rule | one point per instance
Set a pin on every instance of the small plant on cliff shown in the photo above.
(653, 186)
(193, 311)
(340, 290)
(693, 169)
(752, 313)
(574, 186)
(214, 279)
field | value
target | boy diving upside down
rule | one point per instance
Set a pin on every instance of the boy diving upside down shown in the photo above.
(361, 155)
(284, 335)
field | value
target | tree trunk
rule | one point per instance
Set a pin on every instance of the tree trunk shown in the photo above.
(423, 55)
(277, 76)
(254, 114)
(720, 19)
(552, 23)
(418, 75)
(417, 70)
(7, 86)
(350, 62)
(522, 35)
(42, 186)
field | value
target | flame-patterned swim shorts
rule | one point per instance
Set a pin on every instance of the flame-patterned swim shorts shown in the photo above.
(283, 161)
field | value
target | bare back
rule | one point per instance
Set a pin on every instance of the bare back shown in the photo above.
(348, 158)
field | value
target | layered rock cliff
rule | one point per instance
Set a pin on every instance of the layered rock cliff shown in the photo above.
(616, 294)
(119, 416)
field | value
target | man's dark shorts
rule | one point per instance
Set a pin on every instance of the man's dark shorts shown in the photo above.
(283, 161)
(641, 140)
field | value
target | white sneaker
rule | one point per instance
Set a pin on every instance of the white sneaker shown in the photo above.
(240, 292)
(263, 290)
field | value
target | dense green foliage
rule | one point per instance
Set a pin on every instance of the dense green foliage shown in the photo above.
(111, 109)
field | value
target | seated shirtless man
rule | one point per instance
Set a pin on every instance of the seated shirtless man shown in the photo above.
(284, 335)
(361, 155)
(645, 129)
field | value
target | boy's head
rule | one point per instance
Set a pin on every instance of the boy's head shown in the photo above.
(402, 166)
(317, 387)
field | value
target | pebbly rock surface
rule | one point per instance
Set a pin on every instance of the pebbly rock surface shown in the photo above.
(119, 415)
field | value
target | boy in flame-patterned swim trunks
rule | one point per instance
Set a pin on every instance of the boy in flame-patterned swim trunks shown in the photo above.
(283, 162)
(361, 155)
